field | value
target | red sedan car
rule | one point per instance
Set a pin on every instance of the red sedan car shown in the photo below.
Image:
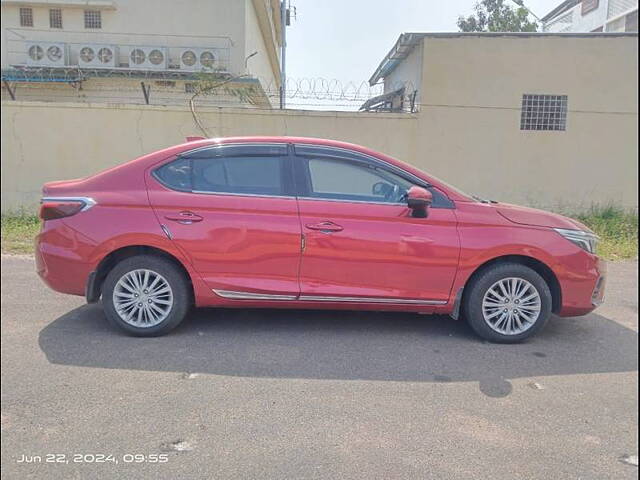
(307, 223)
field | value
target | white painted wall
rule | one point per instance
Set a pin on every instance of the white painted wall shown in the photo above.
(407, 74)
(172, 23)
(606, 13)
(258, 65)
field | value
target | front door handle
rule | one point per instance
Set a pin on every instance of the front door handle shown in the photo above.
(325, 227)
(185, 217)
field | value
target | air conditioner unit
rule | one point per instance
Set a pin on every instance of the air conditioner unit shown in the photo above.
(47, 54)
(198, 59)
(148, 58)
(97, 56)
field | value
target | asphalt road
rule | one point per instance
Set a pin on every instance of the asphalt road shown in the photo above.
(292, 394)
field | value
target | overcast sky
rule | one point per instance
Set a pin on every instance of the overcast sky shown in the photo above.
(347, 39)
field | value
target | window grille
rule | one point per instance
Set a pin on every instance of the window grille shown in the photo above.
(543, 112)
(92, 19)
(26, 17)
(55, 18)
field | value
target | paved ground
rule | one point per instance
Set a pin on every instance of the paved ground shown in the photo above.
(291, 394)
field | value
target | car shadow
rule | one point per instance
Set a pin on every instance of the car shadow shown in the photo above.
(346, 345)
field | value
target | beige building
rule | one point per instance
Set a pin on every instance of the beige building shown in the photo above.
(542, 119)
(535, 119)
(103, 50)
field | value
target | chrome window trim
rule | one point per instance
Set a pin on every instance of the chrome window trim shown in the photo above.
(319, 199)
(87, 201)
(244, 144)
(231, 194)
(235, 295)
(286, 197)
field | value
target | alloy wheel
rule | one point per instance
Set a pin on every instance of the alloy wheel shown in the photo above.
(143, 298)
(511, 306)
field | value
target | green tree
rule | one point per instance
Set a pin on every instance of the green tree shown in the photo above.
(495, 16)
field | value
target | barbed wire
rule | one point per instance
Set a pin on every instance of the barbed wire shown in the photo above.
(306, 87)
(160, 94)
(171, 88)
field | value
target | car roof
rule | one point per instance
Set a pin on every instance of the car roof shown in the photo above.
(279, 139)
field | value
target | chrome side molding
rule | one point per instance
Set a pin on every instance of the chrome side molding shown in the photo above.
(234, 295)
(252, 296)
(313, 298)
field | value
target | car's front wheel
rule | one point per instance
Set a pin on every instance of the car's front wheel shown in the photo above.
(507, 303)
(146, 295)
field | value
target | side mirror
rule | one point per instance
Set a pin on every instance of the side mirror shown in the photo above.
(418, 200)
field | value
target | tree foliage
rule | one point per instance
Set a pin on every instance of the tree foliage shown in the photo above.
(495, 16)
(218, 83)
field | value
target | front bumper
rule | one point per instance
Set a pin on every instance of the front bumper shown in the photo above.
(597, 297)
(583, 289)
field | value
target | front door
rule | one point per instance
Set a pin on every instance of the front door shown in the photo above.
(361, 241)
(232, 212)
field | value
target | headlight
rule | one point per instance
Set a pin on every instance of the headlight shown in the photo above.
(585, 240)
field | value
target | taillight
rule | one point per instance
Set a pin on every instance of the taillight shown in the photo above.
(53, 208)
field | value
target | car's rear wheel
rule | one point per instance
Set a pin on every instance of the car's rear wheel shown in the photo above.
(507, 303)
(146, 295)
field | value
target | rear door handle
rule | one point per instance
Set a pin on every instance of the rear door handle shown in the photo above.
(325, 227)
(185, 218)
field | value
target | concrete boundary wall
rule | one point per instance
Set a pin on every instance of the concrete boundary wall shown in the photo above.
(53, 141)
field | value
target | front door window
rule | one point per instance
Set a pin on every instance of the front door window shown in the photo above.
(335, 179)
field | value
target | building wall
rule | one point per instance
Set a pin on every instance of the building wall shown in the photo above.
(260, 65)
(42, 141)
(469, 120)
(180, 23)
(231, 27)
(174, 23)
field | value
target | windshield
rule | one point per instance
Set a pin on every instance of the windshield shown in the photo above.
(456, 189)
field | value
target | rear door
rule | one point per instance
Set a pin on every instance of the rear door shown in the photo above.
(361, 242)
(232, 211)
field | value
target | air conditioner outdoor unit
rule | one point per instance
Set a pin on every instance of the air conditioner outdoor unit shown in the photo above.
(47, 54)
(197, 59)
(148, 58)
(97, 56)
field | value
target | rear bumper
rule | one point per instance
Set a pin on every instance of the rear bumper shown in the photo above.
(60, 268)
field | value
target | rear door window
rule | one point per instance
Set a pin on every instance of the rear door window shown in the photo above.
(175, 175)
(250, 175)
(231, 169)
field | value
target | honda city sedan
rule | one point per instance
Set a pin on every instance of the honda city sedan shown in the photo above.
(305, 223)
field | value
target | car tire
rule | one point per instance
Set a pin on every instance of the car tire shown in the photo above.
(159, 291)
(507, 303)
